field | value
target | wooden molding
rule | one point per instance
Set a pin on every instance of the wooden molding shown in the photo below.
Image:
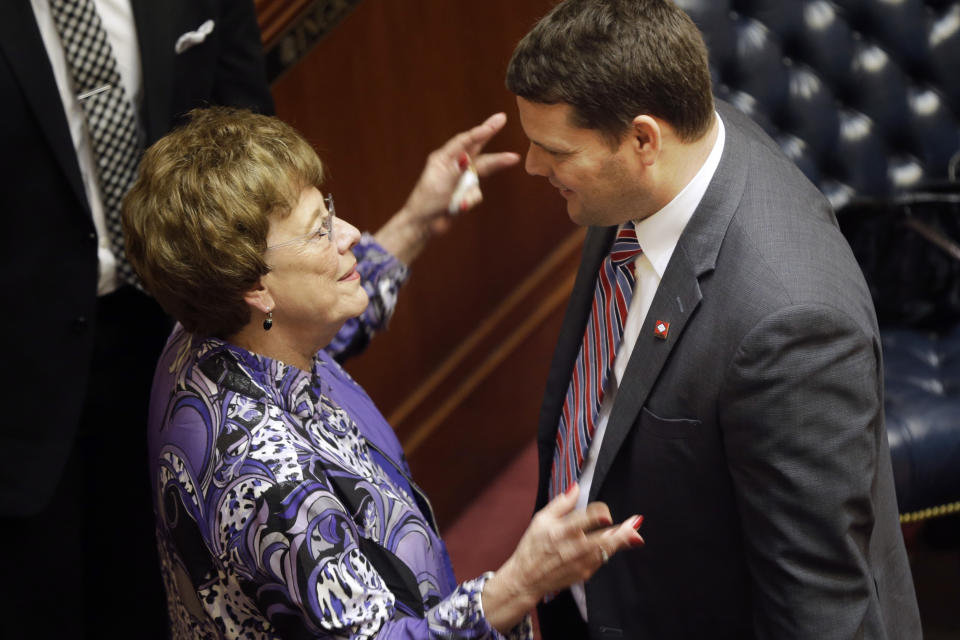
(276, 15)
(472, 415)
(493, 341)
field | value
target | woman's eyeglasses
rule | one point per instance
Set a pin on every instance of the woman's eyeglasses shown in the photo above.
(324, 229)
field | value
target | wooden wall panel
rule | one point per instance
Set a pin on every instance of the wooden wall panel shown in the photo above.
(461, 371)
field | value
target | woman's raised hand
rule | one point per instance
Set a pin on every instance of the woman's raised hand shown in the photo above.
(426, 211)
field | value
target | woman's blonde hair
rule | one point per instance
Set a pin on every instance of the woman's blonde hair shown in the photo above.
(197, 218)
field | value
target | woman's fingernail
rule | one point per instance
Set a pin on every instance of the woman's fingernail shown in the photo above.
(464, 160)
(637, 522)
(464, 205)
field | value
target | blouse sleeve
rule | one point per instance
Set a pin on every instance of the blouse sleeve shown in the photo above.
(300, 546)
(382, 275)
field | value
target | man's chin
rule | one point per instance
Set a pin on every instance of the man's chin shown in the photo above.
(576, 214)
(593, 218)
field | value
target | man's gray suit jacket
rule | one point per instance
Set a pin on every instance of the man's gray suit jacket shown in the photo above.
(752, 438)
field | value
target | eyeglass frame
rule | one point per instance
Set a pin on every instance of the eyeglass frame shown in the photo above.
(328, 232)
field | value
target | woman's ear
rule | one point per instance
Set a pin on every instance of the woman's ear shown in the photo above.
(259, 298)
(647, 136)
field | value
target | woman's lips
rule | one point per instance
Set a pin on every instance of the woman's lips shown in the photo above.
(353, 274)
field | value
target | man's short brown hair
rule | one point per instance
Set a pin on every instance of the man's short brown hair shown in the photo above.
(612, 60)
(197, 218)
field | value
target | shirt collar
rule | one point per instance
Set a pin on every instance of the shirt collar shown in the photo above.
(659, 233)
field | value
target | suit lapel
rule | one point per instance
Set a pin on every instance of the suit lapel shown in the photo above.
(156, 39)
(22, 46)
(678, 295)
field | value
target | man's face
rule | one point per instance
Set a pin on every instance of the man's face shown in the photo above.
(602, 185)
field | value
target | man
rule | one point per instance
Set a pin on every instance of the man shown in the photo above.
(76, 524)
(727, 381)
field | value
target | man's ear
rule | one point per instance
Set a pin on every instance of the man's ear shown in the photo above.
(259, 297)
(647, 138)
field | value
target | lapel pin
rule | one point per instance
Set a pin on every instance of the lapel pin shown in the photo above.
(661, 329)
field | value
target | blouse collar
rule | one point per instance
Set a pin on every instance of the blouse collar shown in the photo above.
(260, 377)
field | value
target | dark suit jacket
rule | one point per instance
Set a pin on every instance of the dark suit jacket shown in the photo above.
(50, 258)
(752, 438)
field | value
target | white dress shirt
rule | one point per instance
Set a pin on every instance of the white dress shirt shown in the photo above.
(658, 235)
(117, 19)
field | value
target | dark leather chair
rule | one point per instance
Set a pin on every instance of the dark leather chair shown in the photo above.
(864, 95)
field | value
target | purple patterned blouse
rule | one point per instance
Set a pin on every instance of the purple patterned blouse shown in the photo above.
(285, 507)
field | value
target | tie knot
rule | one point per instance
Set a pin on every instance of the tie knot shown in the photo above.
(625, 247)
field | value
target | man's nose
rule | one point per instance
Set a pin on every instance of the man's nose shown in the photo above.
(534, 163)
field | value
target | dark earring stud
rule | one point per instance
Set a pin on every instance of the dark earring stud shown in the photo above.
(268, 321)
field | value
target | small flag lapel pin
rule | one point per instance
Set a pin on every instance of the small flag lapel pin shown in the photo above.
(661, 329)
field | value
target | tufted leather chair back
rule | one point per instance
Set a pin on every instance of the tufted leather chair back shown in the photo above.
(864, 95)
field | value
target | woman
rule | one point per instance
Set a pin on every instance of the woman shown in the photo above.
(285, 506)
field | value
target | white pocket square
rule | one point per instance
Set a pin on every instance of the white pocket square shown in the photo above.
(192, 38)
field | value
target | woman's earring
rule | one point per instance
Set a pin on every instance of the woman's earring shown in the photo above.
(268, 321)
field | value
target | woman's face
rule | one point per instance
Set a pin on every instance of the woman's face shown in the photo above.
(313, 281)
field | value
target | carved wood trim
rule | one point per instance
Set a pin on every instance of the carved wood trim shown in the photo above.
(275, 15)
(290, 28)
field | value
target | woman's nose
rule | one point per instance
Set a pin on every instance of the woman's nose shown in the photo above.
(345, 235)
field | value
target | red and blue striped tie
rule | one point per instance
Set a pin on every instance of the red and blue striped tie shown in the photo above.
(611, 300)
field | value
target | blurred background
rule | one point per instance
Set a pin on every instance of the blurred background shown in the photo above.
(377, 84)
